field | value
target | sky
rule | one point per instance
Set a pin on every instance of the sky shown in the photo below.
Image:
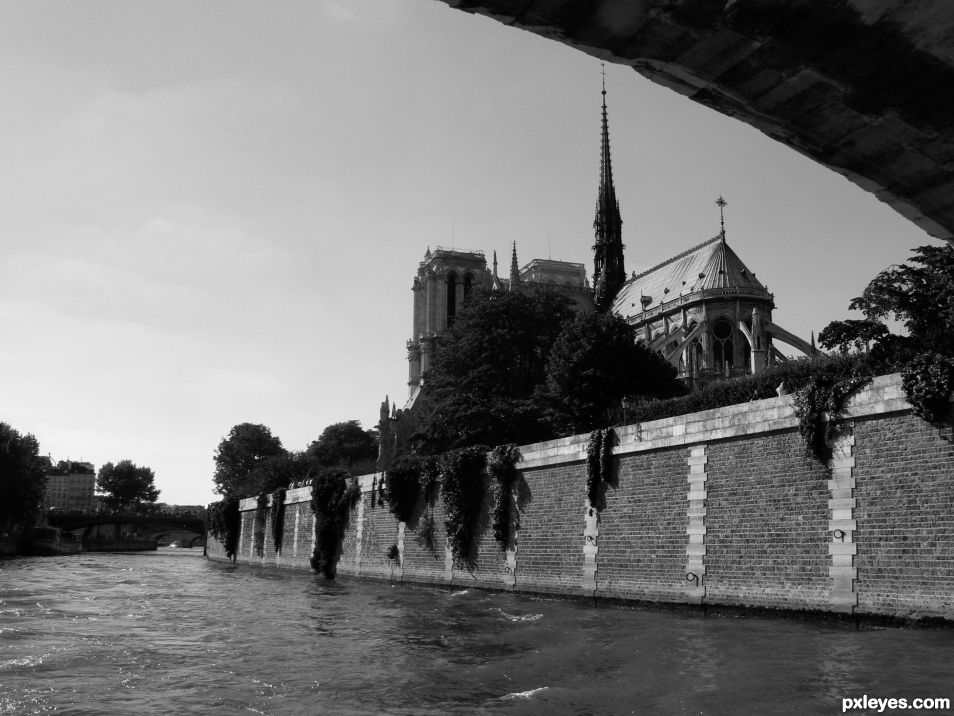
(211, 213)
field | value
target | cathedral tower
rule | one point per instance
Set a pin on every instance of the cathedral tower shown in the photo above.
(608, 272)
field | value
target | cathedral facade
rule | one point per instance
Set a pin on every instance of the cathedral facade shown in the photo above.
(703, 310)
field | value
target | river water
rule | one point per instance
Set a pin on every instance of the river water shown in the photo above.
(171, 633)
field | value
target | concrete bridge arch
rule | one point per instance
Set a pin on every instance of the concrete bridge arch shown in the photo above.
(864, 87)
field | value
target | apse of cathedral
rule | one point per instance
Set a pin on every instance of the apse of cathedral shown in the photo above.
(703, 310)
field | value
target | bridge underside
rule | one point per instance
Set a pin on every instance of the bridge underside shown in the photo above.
(864, 87)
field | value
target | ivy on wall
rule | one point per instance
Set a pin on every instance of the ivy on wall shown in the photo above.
(333, 495)
(258, 532)
(599, 465)
(502, 470)
(403, 487)
(277, 515)
(223, 522)
(462, 490)
(819, 404)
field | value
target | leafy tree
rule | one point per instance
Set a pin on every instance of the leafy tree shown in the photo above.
(345, 445)
(126, 485)
(918, 294)
(594, 364)
(480, 387)
(22, 480)
(280, 470)
(239, 454)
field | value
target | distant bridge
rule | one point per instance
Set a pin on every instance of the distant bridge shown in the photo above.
(188, 530)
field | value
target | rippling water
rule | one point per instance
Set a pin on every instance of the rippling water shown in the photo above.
(170, 633)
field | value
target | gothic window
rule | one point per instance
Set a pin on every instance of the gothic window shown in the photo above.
(723, 352)
(468, 285)
(451, 298)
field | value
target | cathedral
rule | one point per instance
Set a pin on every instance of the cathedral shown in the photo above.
(703, 310)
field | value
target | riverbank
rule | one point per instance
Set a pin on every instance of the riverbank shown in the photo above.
(722, 509)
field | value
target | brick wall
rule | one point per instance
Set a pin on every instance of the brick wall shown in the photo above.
(425, 553)
(721, 507)
(550, 537)
(766, 524)
(642, 531)
(905, 501)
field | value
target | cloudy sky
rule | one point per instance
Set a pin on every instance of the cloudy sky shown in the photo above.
(211, 213)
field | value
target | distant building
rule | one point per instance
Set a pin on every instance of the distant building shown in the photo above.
(70, 485)
(706, 313)
(446, 277)
(703, 310)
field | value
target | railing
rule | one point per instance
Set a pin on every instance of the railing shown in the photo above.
(695, 297)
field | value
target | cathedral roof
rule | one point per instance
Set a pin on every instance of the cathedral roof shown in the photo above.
(709, 265)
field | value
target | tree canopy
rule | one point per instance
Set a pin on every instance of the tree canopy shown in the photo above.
(918, 294)
(238, 455)
(485, 369)
(125, 485)
(594, 364)
(22, 480)
(279, 471)
(345, 445)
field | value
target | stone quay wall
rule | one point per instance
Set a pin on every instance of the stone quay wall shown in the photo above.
(722, 507)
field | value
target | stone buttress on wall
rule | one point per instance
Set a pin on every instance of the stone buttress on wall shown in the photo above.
(722, 507)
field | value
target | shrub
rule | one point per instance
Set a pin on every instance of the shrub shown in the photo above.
(928, 379)
(794, 374)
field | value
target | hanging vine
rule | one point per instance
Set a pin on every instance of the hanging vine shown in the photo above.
(502, 470)
(277, 514)
(333, 495)
(258, 531)
(429, 478)
(224, 521)
(462, 490)
(403, 487)
(606, 457)
(818, 405)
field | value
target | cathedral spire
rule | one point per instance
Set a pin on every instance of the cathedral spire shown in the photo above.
(608, 272)
(721, 203)
(514, 271)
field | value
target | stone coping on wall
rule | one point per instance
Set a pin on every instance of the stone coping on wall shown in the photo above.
(301, 494)
(883, 394)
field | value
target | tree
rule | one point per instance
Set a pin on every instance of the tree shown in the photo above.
(126, 485)
(280, 471)
(918, 294)
(237, 456)
(345, 445)
(594, 364)
(479, 389)
(22, 480)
